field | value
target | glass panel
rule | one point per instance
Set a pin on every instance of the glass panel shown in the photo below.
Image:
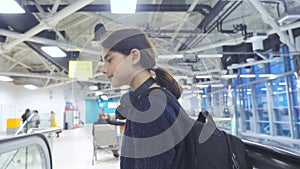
(262, 108)
(28, 157)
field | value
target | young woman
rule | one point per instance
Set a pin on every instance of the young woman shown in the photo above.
(129, 59)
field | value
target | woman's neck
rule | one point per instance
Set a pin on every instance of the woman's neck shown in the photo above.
(139, 79)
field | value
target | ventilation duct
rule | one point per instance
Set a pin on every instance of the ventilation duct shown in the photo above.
(236, 54)
(272, 43)
(99, 31)
(291, 15)
(257, 41)
(296, 34)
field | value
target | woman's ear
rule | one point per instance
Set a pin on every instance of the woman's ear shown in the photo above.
(136, 56)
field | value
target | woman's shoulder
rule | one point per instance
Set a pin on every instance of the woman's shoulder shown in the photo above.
(156, 96)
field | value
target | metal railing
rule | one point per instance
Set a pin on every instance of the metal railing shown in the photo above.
(25, 144)
(269, 157)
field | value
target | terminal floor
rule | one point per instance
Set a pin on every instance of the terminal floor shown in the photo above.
(74, 150)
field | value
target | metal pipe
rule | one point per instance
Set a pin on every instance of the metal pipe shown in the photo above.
(15, 61)
(286, 27)
(186, 16)
(254, 63)
(233, 41)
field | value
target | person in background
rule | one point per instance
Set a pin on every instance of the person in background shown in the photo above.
(25, 116)
(129, 59)
(52, 119)
(53, 122)
(102, 118)
(35, 119)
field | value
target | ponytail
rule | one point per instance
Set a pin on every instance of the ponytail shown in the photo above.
(165, 79)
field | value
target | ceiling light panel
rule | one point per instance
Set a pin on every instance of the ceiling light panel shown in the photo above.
(6, 79)
(10, 6)
(122, 6)
(54, 51)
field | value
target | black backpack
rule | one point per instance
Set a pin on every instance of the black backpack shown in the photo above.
(219, 151)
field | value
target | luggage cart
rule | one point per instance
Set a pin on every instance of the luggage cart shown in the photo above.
(105, 137)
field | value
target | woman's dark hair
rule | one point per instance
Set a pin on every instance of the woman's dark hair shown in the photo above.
(124, 40)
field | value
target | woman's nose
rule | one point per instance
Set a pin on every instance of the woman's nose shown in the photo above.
(104, 69)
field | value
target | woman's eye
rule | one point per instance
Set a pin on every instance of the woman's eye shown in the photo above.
(109, 60)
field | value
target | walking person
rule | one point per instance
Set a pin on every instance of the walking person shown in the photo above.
(25, 119)
(53, 122)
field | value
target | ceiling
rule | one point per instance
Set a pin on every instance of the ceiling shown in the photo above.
(177, 27)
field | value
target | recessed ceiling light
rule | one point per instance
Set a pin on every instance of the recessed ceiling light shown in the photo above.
(54, 51)
(30, 87)
(10, 6)
(6, 79)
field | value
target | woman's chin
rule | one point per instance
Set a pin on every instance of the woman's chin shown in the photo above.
(116, 83)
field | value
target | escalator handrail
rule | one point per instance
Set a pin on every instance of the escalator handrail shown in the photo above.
(17, 142)
(274, 152)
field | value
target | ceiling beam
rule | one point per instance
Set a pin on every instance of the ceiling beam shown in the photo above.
(66, 46)
(47, 23)
(268, 19)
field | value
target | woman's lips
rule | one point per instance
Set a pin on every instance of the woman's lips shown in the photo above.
(109, 77)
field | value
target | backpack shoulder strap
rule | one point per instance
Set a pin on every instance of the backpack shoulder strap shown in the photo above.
(232, 156)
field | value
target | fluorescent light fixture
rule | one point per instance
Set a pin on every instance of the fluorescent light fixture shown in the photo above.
(247, 75)
(170, 56)
(201, 86)
(271, 76)
(98, 93)
(203, 76)
(94, 87)
(228, 76)
(10, 6)
(217, 85)
(282, 83)
(54, 51)
(123, 6)
(210, 55)
(104, 97)
(263, 89)
(6, 79)
(30, 87)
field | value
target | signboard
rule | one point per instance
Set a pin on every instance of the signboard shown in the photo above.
(80, 69)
